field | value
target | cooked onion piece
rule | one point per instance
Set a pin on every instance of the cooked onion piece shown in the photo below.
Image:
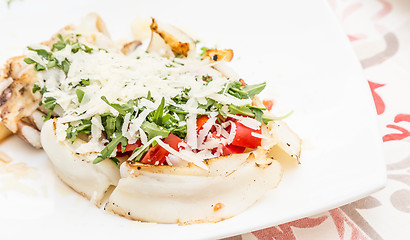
(178, 41)
(184, 197)
(77, 170)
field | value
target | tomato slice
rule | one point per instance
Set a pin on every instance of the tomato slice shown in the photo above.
(268, 104)
(129, 147)
(231, 149)
(244, 137)
(156, 155)
(228, 149)
(201, 121)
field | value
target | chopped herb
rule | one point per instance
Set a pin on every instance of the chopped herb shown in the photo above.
(84, 82)
(36, 88)
(65, 66)
(80, 95)
(102, 49)
(49, 104)
(83, 127)
(203, 49)
(61, 44)
(29, 61)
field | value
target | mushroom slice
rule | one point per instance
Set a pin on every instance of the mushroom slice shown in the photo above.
(178, 195)
(179, 42)
(77, 170)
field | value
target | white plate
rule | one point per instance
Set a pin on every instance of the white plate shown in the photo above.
(296, 46)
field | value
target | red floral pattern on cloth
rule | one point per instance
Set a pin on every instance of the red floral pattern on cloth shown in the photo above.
(382, 46)
(404, 133)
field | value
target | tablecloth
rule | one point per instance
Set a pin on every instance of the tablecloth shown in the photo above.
(379, 32)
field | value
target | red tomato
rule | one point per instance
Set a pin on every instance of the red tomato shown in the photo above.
(156, 155)
(268, 104)
(231, 149)
(129, 147)
(244, 138)
(201, 121)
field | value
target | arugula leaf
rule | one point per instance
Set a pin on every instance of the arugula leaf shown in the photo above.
(242, 110)
(154, 130)
(116, 161)
(234, 89)
(157, 118)
(256, 112)
(115, 106)
(174, 109)
(180, 131)
(237, 90)
(182, 98)
(80, 94)
(109, 125)
(138, 157)
(253, 90)
(106, 152)
(267, 118)
(209, 103)
(149, 96)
